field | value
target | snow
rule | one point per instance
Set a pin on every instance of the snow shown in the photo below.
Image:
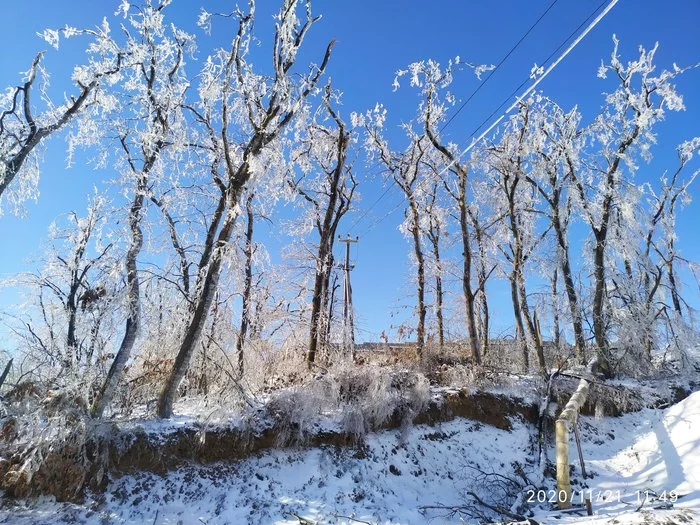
(396, 473)
(645, 453)
(386, 481)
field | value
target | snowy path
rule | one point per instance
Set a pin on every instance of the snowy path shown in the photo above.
(637, 456)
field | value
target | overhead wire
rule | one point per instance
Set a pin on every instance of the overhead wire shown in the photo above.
(546, 72)
(541, 77)
(491, 72)
(462, 106)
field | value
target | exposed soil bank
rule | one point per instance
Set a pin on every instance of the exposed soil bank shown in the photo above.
(108, 449)
(140, 451)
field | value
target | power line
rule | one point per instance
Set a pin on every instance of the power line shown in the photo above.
(518, 99)
(491, 73)
(522, 84)
(462, 106)
(374, 204)
(544, 74)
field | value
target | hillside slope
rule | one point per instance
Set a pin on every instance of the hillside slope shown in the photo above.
(413, 476)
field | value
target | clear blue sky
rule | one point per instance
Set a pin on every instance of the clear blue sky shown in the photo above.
(374, 39)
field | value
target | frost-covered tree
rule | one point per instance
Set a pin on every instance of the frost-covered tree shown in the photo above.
(507, 164)
(327, 185)
(29, 115)
(435, 216)
(643, 292)
(620, 136)
(151, 134)
(243, 115)
(433, 81)
(406, 170)
(64, 326)
(249, 249)
(555, 143)
(663, 206)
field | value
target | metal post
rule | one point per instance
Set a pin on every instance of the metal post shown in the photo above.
(578, 446)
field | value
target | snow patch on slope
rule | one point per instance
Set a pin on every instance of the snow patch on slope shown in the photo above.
(642, 460)
(386, 481)
(396, 473)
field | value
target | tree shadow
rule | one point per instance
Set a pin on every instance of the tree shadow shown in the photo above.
(675, 473)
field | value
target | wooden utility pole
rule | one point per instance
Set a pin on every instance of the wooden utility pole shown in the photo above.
(569, 416)
(348, 324)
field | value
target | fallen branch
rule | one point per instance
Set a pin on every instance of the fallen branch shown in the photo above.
(302, 521)
(501, 510)
(469, 510)
(338, 516)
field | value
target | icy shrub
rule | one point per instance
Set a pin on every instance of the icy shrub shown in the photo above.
(296, 409)
(644, 346)
(49, 444)
(372, 398)
(365, 398)
(505, 355)
(613, 400)
(681, 352)
(464, 376)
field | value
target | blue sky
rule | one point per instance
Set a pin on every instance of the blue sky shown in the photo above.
(374, 40)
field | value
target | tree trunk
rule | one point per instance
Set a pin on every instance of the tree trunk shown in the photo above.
(328, 296)
(674, 288)
(338, 204)
(485, 321)
(461, 201)
(133, 319)
(5, 372)
(530, 324)
(519, 326)
(482, 277)
(329, 309)
(435, 240)
(72, 311)
(518, 270)
(599, 328)
(555, 309)
(572, 297)
(202, 305)
(560, 226)
(316, 301)
(600, 234)
(420, 285)
(247, 284)
(467, 268)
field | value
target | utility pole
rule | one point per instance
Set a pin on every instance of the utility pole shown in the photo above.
(348, 325)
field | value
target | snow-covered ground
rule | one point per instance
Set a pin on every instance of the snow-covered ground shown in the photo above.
(396, 475)
(644, 460)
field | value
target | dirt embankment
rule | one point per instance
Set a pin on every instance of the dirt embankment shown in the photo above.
(139, 451)
(107, 450)
(66, 469)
